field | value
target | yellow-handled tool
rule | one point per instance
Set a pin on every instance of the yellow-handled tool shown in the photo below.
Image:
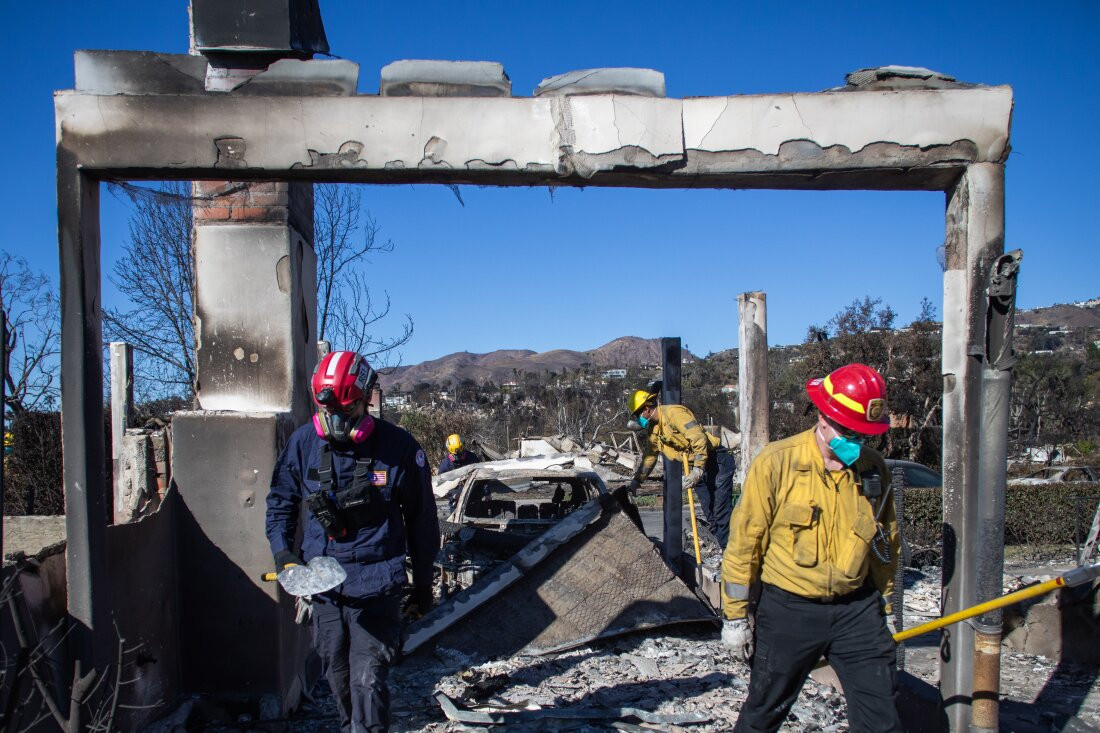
(1077, 576)
(694, 525)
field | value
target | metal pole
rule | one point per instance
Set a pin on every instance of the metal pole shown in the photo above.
(674, 472)
(996, 397)
(974, 240)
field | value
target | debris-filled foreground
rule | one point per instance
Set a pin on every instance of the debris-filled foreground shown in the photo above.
(684, 674)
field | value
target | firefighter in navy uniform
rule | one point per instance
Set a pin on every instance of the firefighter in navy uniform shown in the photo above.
(816, 526)
(457, 455)
(367, 488)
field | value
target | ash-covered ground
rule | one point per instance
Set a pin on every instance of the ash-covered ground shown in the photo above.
(687, 672)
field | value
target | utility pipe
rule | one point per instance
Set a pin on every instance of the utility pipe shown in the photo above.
(996, 396)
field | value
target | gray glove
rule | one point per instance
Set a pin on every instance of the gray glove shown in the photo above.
(693, 478)
(737, 636)
(303, 610)
(633, 487)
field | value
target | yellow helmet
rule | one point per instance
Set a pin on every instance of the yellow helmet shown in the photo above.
(454, 443)
(638, 399)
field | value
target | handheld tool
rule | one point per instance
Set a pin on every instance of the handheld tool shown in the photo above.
(1077, 576)
(321, 574)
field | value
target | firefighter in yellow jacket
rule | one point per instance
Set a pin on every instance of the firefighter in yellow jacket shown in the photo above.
(816, 525)
(674, 431)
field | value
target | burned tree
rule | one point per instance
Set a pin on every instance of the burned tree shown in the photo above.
(156, 274)
(31, 334)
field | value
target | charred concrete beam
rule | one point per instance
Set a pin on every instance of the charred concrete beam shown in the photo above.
(875, 139)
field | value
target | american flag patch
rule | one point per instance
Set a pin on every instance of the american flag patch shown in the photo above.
(377, 478)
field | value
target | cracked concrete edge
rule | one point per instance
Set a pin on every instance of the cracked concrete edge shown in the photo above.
(569, 137)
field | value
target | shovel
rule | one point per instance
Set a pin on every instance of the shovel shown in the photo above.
(321, 574)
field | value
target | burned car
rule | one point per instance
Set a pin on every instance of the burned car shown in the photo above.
(497, 511)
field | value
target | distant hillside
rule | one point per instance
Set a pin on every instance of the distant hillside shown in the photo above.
(1072, 315)
(502, 366)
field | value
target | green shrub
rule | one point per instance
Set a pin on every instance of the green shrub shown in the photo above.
(1034, 515)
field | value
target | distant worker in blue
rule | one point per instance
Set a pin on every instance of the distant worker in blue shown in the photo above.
(457, 455)
(367, 488)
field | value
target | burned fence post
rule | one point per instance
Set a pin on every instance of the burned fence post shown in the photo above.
(122, 406)
(752, 376)
(674, 473)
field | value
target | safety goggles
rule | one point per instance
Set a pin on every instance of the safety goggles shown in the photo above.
(327, 399)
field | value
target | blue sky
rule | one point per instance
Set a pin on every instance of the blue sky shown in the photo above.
(517, 268)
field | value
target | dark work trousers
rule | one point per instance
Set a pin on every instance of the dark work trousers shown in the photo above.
(792, 633)
(357, 644)
(715, 492)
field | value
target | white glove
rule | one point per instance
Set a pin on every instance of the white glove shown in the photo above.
(693, 478)
(737, 635)
(303, 610)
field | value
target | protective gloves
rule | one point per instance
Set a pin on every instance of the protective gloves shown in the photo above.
(303, 610)
(693, 478)
(633, 486)
(737, 636)
(284, 558)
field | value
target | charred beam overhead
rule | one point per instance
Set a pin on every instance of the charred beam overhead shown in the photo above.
(603, 139)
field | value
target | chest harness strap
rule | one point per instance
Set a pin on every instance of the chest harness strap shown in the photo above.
(341, 512)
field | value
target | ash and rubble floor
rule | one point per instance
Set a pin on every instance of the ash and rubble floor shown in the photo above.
(688, 670)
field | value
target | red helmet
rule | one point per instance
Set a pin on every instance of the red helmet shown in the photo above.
(853, 396)
(342, 379)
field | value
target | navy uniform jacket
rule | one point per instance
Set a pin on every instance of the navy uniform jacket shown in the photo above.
(375, 557)
(464, 458)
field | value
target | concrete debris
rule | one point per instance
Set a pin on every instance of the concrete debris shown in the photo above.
(498, 716)
(644, 82)
(687, 670)
(427, 78)
(900, 77)
(687, 676)
(143, 473)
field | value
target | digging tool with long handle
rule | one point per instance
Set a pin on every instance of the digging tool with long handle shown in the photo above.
(1077, 576)
(321, 574)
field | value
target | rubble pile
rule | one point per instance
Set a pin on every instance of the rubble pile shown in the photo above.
(689, 676)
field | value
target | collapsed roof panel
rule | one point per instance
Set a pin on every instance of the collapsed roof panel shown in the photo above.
(593, 575)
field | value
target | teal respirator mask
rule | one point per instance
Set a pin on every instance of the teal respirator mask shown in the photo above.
(846, 449)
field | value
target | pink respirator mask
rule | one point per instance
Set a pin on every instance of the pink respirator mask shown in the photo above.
(342, 428)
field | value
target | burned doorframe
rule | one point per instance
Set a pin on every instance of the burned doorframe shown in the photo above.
(953, 138)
